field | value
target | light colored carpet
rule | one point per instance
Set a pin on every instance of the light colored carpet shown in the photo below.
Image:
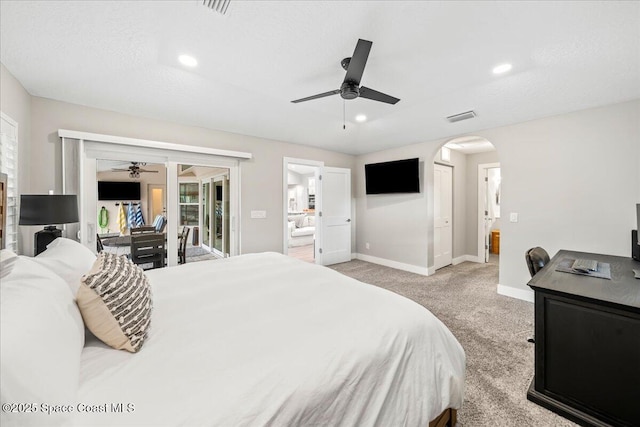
(492, 329)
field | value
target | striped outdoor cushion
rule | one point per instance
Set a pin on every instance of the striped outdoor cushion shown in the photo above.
(115, 301)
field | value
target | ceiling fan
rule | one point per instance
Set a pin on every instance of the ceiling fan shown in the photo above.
(350, 88)
(134, 170)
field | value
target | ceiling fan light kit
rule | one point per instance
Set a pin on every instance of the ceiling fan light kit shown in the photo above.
(135, 170)
(350, 87)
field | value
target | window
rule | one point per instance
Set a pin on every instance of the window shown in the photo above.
(189, 203)
(9, 166)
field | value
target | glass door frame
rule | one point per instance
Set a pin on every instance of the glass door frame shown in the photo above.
(206, 205)
(223, 251)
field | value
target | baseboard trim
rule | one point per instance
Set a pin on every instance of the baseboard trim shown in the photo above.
(394, 264)
(465, 258)
(522, 294)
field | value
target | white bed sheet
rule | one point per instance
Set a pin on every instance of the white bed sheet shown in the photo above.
(264, 339)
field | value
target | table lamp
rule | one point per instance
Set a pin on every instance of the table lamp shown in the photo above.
(47, 209)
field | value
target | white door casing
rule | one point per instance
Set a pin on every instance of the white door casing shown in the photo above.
(333, 191)
(443, 207)
(485, 220)
(285, 200)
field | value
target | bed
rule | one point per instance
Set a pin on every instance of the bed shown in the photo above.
(266, 340)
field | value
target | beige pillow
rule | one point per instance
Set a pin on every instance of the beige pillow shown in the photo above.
(115, 302)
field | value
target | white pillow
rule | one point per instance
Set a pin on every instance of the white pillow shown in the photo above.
(68, 259)
(7, 258)
(41, 339)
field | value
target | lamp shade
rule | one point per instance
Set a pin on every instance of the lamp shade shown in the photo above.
(46, 209)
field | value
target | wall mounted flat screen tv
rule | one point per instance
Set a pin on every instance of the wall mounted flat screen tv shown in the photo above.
(118, 190)
(399, 176)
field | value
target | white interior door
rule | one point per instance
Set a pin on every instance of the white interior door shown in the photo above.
(443, 207)
(334, 198)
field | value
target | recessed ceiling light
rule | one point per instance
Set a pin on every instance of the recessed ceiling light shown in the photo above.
(502, 68)
(361, 118)
(187, 60)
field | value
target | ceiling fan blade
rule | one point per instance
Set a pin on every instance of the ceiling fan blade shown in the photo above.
(320, 95)
(365, 92)
(146, 171)
(358, 61)
(120, 170)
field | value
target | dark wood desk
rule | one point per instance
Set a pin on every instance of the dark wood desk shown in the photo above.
(587, 332)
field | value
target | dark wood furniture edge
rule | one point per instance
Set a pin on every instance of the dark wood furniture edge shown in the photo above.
(562, 409)
(448, 417)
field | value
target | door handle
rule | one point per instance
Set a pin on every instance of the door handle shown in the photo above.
(348, 219)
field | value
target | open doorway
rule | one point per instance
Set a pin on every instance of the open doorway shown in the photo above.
(475, 202)
(489, 179)
(130, 195)
(301, 216)
(204, 212)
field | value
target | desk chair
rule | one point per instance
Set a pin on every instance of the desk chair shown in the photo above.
(99, 245)
(182, 246)
(536, 258)
(148, 248)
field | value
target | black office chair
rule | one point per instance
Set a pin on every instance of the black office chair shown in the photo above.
(536, 258)
(99, 245)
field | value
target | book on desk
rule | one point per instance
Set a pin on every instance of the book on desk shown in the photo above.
(602, 270)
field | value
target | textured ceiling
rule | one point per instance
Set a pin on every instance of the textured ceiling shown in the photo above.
(437, 57)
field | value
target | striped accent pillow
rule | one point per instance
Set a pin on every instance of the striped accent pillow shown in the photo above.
(115, 301)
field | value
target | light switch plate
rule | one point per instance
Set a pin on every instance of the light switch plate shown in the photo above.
(513, 217)
(258, 214)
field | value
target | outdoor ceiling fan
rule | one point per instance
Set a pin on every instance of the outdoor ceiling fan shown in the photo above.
(134, 170)
(350, 87)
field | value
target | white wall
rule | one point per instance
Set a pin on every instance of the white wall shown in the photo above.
(573, 179)
(15, 102)
(261, 176)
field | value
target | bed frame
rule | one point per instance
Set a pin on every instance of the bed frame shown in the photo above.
(447, 418)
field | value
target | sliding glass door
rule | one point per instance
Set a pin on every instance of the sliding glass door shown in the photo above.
(206, 214)
(220, 226)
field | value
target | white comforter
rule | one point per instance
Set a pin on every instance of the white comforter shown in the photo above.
(264, 339)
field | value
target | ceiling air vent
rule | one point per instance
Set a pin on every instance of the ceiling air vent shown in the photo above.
(462, 116)
(219, 6)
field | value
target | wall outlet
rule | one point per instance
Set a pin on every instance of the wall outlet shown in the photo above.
(366, 246)
(258, 214)
(513, 217)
